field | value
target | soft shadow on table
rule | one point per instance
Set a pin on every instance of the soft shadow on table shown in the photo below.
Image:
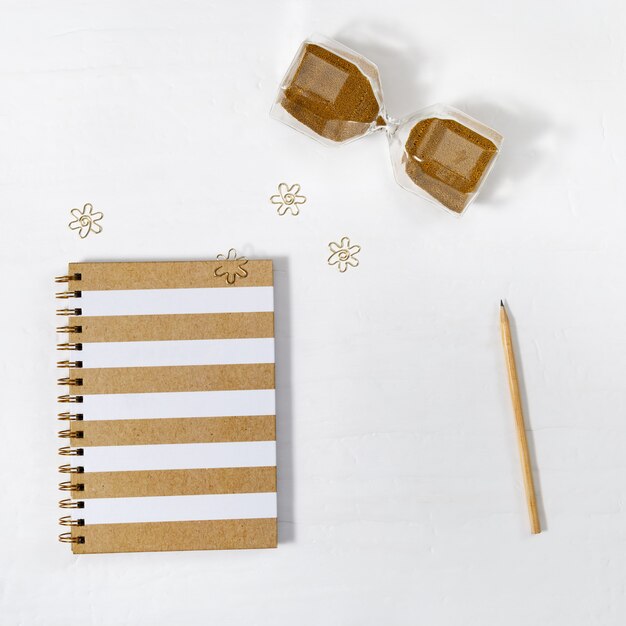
(529, 433)
(284, 405)
(529, 134)
(399, 61)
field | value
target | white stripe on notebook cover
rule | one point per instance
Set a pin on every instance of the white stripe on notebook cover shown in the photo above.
(177, 301)
(171, 353)
(179, 508)
(173, 456)
(125, 406)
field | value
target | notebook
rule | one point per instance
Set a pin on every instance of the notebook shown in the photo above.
(169, 406)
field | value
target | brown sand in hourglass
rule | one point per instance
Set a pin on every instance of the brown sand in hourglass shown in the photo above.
(447, 160)
(331, 95)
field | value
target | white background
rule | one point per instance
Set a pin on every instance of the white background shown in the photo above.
(400, 494)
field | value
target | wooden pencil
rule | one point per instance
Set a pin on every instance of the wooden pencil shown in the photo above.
(531, 499)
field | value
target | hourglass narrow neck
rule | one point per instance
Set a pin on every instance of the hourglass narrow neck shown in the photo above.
(391, 125)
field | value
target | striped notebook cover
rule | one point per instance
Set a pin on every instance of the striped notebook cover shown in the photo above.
(170, 407)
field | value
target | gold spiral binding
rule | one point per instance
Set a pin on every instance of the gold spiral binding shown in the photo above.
(68, 433)
(67, 451)
(70, 312)
(66, 503)
(67, 278)
(67, 520)
(66, 399)
(69, 329)
(69, 346)
(68, 485)
(68, 380)
(69, 364)
(72, 417)
(66, 295)
(67, 538)
(68, 469)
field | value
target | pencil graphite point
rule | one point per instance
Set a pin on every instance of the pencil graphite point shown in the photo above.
(501, 303)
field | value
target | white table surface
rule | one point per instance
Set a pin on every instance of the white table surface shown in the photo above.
(401, 499)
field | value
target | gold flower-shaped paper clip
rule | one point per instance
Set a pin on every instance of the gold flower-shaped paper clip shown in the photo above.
(86, 221)
(234, 262)
(288, 199)
(343, 254)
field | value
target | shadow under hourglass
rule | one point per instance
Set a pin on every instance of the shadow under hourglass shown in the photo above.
(528, 135)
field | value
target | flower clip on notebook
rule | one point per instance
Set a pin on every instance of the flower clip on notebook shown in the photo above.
(170, 408)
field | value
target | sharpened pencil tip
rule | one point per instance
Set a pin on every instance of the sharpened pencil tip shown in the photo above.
(501, 303)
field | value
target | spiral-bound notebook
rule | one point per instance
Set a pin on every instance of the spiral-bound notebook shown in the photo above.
(170, 407)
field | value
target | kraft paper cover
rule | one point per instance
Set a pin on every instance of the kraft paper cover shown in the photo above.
(231, 501)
